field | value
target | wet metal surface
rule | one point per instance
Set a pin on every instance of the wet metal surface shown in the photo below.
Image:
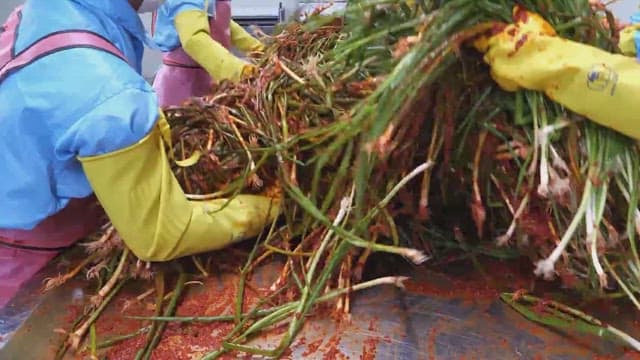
(27, 323)
(386, 323)
(16, 313)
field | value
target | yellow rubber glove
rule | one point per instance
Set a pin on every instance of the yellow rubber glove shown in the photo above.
(195, 37)
(601, 86)
(242, 40)
(146, 205)
(627, 42)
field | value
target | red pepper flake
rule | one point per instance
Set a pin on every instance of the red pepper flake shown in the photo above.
(498, 28)
(332, 350)
(521, 41)
(431, 340)
(312, 348)
(369, 349)
(520, 15)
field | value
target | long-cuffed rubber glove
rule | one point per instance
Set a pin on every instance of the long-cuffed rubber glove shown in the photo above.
(601, 86)
(146, 205)
(242, 40)
(195, 36)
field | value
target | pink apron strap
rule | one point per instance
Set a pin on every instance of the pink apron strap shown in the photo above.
(55, 42)
(220, 24)
(154, 18)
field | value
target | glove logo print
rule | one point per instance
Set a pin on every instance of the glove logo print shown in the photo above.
(601, 78)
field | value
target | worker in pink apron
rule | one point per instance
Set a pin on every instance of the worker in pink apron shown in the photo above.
(82, 136)
(195, 36)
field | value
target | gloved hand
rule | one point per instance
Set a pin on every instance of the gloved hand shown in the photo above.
(628, 43)
(630, 37)
(596, 84)
(195, 36)
(242, 40)
(146, 205)
(248, 70)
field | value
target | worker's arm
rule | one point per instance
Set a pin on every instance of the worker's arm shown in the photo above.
(142, 197)
(195, 36)
(601, 86)
(242, 40)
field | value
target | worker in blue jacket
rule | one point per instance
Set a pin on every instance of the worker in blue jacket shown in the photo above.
(195, 37)
(78, 122)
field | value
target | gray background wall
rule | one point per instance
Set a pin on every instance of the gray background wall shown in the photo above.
(623, 9)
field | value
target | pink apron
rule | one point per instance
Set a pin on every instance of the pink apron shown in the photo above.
(179, 76)
(23, 253)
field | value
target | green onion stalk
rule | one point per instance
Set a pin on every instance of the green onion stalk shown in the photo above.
(384, 132)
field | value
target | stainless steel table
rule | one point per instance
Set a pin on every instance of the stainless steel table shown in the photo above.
(387, 323)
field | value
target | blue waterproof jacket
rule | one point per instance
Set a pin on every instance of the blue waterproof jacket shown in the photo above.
(75, 102)
(165, 34)
(635, 19)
